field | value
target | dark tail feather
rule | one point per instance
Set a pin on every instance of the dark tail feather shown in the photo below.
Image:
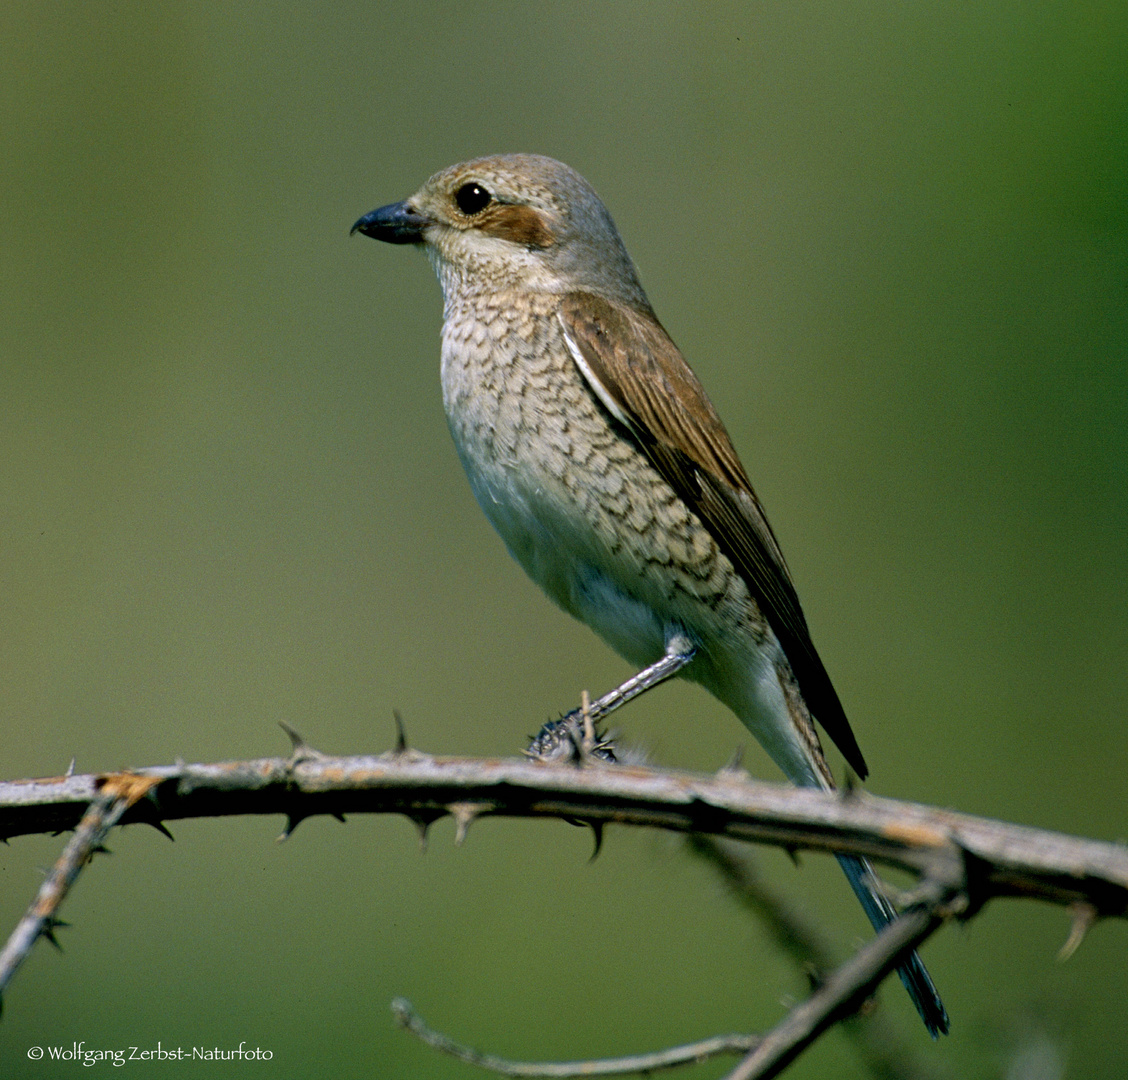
(913, 973)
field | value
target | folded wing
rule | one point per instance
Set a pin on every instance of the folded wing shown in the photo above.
(637, 372)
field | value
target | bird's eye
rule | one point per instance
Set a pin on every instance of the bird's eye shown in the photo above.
(472, 199)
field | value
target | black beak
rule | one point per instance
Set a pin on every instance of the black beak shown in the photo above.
(397, 223)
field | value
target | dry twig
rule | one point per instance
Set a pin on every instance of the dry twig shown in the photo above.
(878, 1041)
(408, 1018)
(116, 795)
(844, 991)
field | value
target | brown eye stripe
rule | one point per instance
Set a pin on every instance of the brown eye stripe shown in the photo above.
(517, 224)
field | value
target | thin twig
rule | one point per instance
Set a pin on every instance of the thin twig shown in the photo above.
(408, 1018)
(840, 996)
(117, 794)
(877, 1040)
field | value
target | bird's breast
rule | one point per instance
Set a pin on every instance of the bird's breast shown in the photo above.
(575, 500)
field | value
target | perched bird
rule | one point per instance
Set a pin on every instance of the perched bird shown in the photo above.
(596, 454)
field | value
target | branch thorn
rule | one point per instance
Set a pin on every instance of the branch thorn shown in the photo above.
(735, 764)
(1084, 916)
(302, 751)
(47, 930)
(293, 820)
(146, 813)
(423, 820)
(401, 733)
(597, 835)
(159, 826)
(464, 815)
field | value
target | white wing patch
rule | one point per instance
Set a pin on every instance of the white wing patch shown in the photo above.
(597, 387)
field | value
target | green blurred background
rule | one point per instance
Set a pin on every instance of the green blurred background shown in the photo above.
(893, 242)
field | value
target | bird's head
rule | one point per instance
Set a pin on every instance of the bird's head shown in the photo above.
(512, 221)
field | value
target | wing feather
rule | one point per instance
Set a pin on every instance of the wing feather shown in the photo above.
(637, 372)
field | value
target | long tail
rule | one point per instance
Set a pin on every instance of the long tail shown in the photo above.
(913, 972)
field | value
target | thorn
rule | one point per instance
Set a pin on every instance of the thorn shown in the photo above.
(160, 827)
(401, 733)
(975, 891)
(145, 812)
(464, 815)
(735, 764)
(301, 750)
(1084, 915)
(597, 834)
(340, 818)
(793, 853)
(47, 930)
(423, 820)
(70, 768)
(99, 849)
(293, 820)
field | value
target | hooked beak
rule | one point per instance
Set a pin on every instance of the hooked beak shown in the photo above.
(396, 223)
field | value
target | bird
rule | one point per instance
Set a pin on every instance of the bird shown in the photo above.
(595, 452)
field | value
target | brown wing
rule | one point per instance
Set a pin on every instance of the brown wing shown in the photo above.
(634, 368)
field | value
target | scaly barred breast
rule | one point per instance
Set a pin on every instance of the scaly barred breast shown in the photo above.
(561, 481)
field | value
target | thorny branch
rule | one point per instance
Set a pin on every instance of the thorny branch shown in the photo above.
(115, 796)
(961, 861)
(990, 858)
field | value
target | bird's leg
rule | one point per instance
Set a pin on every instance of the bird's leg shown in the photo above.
(574, 735)
(679, 651)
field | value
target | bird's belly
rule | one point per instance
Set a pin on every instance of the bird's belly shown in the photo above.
(561, 543)
(596, 527)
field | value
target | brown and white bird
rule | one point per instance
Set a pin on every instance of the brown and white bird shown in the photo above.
(596, 454)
